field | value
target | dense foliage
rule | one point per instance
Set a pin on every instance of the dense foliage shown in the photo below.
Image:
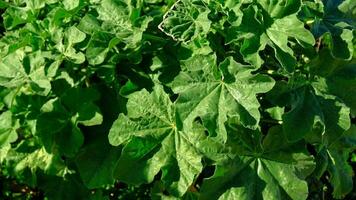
(187, 99)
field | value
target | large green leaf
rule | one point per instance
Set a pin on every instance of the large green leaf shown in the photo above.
(303, 116)
(314, 113)
(21, 70)
(280, 8)
(335, 159)
(337, 26)
(121, 18)
(259, 28)
(214, 93)
(96, 163)
(186, 20)
(27, 157)
(277, 171)
(66, 43)
(343, 84)
(154, 140)
(57, 123)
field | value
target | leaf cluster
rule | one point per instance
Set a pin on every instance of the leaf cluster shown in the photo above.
(186, 99)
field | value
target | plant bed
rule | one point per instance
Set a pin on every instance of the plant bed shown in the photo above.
(187, 99)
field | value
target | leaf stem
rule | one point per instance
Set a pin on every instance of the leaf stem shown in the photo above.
(271, 121)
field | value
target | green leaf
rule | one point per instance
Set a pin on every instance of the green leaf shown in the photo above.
(186, 20)
(267, 30)
(120, 18)
(12, 73)
(341, 173)
(89, 115)
(70, 188)
(57, 124)
(99, 47)
(280, 8)
(74, 98)
(74, 35)
(89, 24)
(279, 33)
(336, 28)
(275, 112)
(8, 128)
(154, 140)
(348, 8)
(315, 113)
(214, 95)
(15, 16)
(56, 131)
(28, 71)
(35, 160)
(303, 116)
(276, 172)
(251, 31)
(96, 163)
(342, 83)
(71, 4)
